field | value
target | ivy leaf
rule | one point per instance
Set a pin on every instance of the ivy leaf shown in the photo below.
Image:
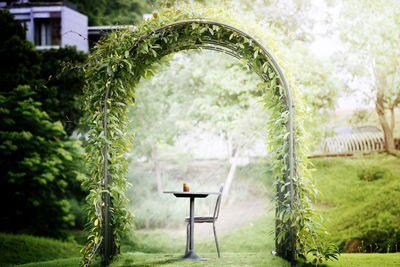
(203, 29)
(110, 72)
(255, 54)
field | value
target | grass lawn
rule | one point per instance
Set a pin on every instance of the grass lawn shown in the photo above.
(250, 245)
(360, 202)
(228, 259)
(367, 260)
(350, 205)
(68, 262)
(18, 249)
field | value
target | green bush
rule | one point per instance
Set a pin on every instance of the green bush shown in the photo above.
(19, 249)
(372, 173)
(41, 167)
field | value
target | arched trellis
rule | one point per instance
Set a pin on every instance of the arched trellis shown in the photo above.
(118, 65)
(286, 247)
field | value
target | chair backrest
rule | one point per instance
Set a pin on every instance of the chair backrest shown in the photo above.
(218, 203)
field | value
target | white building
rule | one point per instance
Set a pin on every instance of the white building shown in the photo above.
(51, 24)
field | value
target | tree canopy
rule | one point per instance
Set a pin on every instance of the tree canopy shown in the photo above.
(118, 12)
(41, 169)
(41, 166)
(371, 32)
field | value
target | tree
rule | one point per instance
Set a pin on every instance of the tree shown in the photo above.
(19, 60)
(60, 85)
(40, 167)
(54, 74)
(118, 12)
(156, 115)
(189, 93)
(228, 103)
(316, 79)
(371, 30)
(293, 18)
(40, 164)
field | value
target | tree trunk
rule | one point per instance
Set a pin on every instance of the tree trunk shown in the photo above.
(393, 119)
(157, 170)
(229, 148)
(387, 129)
(231, 174)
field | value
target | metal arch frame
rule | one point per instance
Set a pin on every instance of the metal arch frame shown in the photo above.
(222, 47)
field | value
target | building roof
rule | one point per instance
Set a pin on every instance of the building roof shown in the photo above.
(27, 3)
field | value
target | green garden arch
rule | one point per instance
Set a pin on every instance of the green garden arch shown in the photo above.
(114, 69)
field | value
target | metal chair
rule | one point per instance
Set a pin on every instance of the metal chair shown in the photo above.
(212, 220)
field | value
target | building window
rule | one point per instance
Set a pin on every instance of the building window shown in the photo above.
(42, 32)
(47, 32)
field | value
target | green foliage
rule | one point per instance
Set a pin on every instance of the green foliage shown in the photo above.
(185, 93)
(372, 173)
(370, 29)
(159, 108)
(41, 168)
(19, 249)
(118, 12)
(361, 216)
(18, 58)
(112, 74)
(316, 80)
(62, 89)
(259, 171)
(54, 74)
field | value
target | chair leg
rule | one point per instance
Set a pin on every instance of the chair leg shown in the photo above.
(216, 240)
(187, 238)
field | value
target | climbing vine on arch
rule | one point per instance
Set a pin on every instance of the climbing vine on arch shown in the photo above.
(126, 56)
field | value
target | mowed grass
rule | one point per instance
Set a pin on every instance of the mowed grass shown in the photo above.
(18, 249)
(228, 259)
(250, 245)
(367, 260)
(66, 262)
(349, 205)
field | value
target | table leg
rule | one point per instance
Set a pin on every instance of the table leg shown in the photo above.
(191, 255)
(191, 244)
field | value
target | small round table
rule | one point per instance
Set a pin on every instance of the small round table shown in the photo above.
(191, 254)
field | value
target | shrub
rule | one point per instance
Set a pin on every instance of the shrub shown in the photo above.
(372, 173)
(41, 167)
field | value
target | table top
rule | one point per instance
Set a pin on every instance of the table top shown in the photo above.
(191, 194)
